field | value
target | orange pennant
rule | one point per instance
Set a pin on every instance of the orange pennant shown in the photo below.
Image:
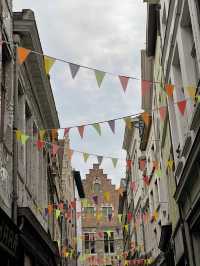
(22, 54)
(81, 130)
(145, 117)
(169, 89)
(54, 134)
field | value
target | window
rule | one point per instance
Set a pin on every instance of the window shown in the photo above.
(109, 242)
(96, 187)
(90, 246)
(106, 211)
(89, 210)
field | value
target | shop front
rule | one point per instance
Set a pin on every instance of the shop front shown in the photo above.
(8, 241)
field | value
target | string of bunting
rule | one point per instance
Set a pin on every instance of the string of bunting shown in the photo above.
(49, 61)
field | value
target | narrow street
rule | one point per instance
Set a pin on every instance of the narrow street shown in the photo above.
(100, 133)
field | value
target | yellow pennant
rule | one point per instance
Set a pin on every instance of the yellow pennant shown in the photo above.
(128, 122)
(18, 135)
(170, 164)
(48, 63)
(191, 90)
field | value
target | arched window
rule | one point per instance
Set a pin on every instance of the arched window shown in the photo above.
(96, 186)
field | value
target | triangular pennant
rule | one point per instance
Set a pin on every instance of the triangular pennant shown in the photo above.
(170, 164)
(42, 134)
(112, 125)
(22, 54)
(18, 135)
(95, 199)
(155, 164)
(50, 208)
(99, 76)
(69, 154)
(169, 89)
(97, 128)
(40, 144)
(198, 98)
(182, 106)
(146, 85)
(146, 118)
(66, 131)
(126, 227)
(128, 122)
(124, 82)
(146, 180)
(158, 173)
(120, 218)
(57, 214)
(48, 63)
(106, 196)
(55, 149)
(99, 159)
(129, 164)
(81, 130)
(129, 216)
(114, 161)
(24, 138)
(163, 111)
(133, 186)
(74, 69)
(54, 134)
(85, 156)
(191, 91)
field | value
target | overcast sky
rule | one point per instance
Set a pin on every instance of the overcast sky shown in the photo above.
(103, 34)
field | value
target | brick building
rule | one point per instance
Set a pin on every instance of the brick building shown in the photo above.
(102, 232)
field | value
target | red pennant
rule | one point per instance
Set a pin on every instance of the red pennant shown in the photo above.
(81, 130)
(66, 131)
(146, 180)
(133, 186)
(163, 111)
(40, 144)
(182, 106)
(129, 216)
(129, 163)
(101, 234)
(124, 82)
(142, 164)
(146, 85)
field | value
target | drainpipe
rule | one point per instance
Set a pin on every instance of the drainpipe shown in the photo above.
(15, 126)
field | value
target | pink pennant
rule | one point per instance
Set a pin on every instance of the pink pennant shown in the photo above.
(146, 85)
(112, 125)
(54, 149)
(146, 180)
(66, 131)
(182, 106)
(163, 111)
(133, 186)
(124, 82)
(81, 130)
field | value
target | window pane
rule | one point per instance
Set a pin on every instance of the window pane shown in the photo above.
(112, 250)
(96, 188)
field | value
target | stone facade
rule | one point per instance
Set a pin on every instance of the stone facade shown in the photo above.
(100, 215)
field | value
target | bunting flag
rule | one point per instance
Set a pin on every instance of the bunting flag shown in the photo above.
(146, 85)
(57, 213)
(106, 196)
(129, 164)
(40, 144)
(170, 164)
(129, 216)
(124, 82)
(191, 90)
(22, 54)
(81, 130)
(48, 63)
(24, 138)
(128, 122)
(85, 156)
(42, 134)
(112, 125)
(158, 173)
(155, 164)
(99, 159)
(182, 106)
(95, 199)
(99, 76)
(142, 164)
(50, 209)
(169, 89)
(54, 134)
(66, 131)
(146, 180)
(97, 128)
(114, 161)
(120, 218)
(18, 135)
(155, 216)
(55, 149)
(133, 186)
(73, 69)
(69, 154)
(146, 118)
(126, 227)
(163, 111)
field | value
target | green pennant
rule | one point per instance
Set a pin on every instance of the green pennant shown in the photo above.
(24, 138)
(99, 76)
(114, 161)
(85, 156)
(97, 128)
(159, 173)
